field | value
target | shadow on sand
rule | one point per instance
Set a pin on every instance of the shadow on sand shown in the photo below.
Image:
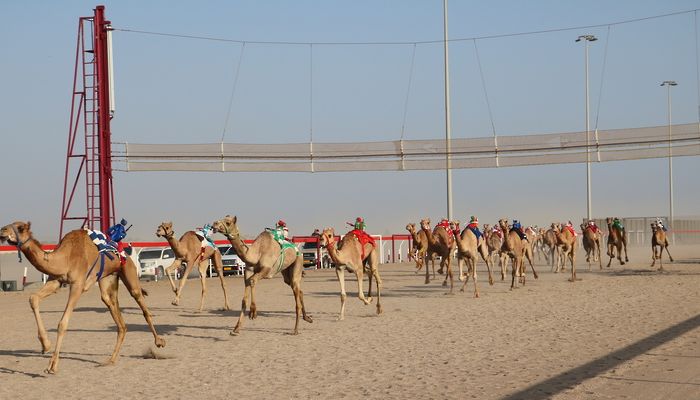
(568, 379)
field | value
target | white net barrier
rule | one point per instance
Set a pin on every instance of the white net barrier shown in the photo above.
(512, 151)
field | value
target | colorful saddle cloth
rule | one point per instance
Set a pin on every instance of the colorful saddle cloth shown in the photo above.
(278, 236)
(571, 230)
(364, 238)
(105, 248)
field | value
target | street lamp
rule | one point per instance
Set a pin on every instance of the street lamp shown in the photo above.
(586, 39)
(668, 85)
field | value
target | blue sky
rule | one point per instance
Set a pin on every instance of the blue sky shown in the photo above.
(174, 90)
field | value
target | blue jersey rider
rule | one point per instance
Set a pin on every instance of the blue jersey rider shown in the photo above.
(474, 226)
(518, 229)
(118, 231)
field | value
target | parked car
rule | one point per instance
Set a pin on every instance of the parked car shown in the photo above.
(154, 260)
(232, 263)
(310, 252)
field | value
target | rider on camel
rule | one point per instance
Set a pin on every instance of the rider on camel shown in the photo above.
(518, 229)
(474, 226)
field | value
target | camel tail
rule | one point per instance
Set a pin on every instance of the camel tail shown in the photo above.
(144, 292)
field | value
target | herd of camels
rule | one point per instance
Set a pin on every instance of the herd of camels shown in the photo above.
(73, 263)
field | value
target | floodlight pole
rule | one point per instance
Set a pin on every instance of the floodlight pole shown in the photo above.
(668, 85)
(589, 212)
(448, 127)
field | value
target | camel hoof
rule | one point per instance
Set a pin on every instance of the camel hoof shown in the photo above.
(234, 333)
(461, 278)
(444, 283)
(160, 342)
(107, 363)
(622, 263)
(379, 309)
(491, 282)
(427, 281)
(175, 303)
(308, 319)
(476, 295)
(461, 290)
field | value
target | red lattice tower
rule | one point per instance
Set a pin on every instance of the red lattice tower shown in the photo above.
(88, 159)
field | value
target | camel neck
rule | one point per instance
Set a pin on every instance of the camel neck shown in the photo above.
(36, 256)
(240, 247)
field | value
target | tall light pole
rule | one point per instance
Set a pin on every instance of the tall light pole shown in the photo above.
(589, 212)
(668, 85)
(448, 126)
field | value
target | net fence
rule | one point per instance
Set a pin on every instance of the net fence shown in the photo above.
(400, 155)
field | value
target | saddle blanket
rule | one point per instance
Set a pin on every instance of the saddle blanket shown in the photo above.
(100, 240)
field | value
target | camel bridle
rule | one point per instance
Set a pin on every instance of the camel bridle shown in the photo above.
(18, 242)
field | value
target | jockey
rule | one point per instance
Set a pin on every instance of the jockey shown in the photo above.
(660, 224)
(118, 231)
(360, 224)
(282, 230)
(570, 227)
(205, 234)
(474, 226)
(592, 225)
(518, 229)
(617, 224)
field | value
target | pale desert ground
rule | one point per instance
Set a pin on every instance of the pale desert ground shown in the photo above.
(624, 332)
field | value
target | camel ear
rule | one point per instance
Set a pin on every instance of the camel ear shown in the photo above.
(235, 219)
(27, 226)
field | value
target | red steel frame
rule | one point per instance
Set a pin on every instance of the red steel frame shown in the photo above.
(90, 121)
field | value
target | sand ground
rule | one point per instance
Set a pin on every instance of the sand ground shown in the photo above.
(624, 332)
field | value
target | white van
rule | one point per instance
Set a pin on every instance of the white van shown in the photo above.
(154, 260)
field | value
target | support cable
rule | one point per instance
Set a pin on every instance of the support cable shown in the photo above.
(600, 92)
(488, 103)
(697, 62)
(311, 105)
(233, 91)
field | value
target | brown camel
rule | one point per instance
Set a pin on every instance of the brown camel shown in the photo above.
(591, 244)
(514, 247)
(659, 239)
(264, 258)
(77, 262)
(420, 245)
(494, 242)
(567, 242)
(353, 256)
(190, 250)
(550, 248)
(439, 243)
(468, 249)
(617, 240)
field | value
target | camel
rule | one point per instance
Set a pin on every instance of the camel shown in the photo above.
(567, 242)
(494, 242)
(659, 239)
(440, 244)
(264, 258)
(189, 249)
(514, 247)
(352, 255)
(73, 262)
(468, 249)
(591, 244)
(550, 248)
(420, 244)
(617, 240)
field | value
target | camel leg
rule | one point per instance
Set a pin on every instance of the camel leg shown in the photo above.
(220, 271)
(296, 279)
(653, 256)
(109, 289)
(202, 267)
(47, 290)
(529, 259)
(172, 269)
(485, 256)
(76, 289)
(473, 267)
(619, 254)
(183, 281)
(369, 278)
(340, 273)
(131, 281)
(427, 272)
(669, 253)
(461, 269)
(247, 277)
(449, 275)
(374, 271)
(264, 272)
(294, 284)
(359, 272)
(513, 273)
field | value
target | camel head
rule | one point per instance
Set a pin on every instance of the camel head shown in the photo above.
(411, 228)
(487, 227)
(503, 224)
(16, 232)
(327, 237)
(654, 227)
(454, 226)
(165, 230)
(556, 227)
(608, 220)
(227, 226)
(425, 224)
